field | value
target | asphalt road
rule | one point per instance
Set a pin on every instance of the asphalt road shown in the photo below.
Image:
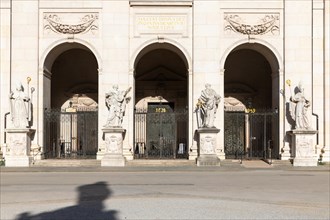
(238, 194)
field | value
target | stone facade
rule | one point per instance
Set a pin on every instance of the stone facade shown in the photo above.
(194, 42)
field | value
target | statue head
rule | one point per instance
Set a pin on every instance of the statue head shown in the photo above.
(301, 87)
(207, 85)
(19, 86)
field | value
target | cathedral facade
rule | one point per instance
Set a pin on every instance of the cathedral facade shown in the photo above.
(261, 58)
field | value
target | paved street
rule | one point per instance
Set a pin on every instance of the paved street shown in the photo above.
(166, 194)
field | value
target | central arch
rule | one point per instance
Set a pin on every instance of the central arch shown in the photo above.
(161, 102)
(70, 88)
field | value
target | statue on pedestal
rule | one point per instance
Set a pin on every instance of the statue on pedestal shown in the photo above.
(116, 101)
(207, 107)
(299, 107)
(20, 106)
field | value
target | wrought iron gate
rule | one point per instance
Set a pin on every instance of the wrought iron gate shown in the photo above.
(160, 133)
(70, 134)
(251, 135)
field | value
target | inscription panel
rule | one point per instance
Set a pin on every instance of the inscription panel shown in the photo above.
(146, 24)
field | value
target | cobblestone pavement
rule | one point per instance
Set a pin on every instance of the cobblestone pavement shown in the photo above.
(165, 193)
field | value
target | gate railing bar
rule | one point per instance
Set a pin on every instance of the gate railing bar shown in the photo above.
(163, 146)
(262, 127)
(66, 133)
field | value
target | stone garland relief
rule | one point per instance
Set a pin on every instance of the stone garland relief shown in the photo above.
(71, 23)
(247, 24)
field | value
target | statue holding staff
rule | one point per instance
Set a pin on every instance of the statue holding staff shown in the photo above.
(207, 107)
(116, 101)
(19, 107)
(299, 107)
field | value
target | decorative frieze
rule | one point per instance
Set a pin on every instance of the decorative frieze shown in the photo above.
(252, 24)
(71, 23)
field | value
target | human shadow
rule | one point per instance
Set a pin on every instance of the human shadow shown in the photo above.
(89, 206)
(289, 117)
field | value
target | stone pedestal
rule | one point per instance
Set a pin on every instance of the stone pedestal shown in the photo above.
(113, 155)
(303, 146)
(18, 151)
(207, 142)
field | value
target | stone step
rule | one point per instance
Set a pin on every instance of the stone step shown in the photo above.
(281, 162)
(168, 163)
(255, 164)
(67, 163)
(230, 163)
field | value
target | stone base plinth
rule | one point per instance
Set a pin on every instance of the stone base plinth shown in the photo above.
(209, 160)
(99, 155)
(18, 150)
(303, 145)
(113, 155)
(305, 162)
(207, 142)
(113, 161)
(18, 161)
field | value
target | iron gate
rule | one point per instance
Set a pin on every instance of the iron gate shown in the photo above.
(70, 134)
(160, 133)
(251, 135)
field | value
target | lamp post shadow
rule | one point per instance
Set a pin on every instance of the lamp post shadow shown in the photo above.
(89, 206)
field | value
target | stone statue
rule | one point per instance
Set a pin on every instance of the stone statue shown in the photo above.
(299, 108)
(20, 107)
(116, 101)
(207, 107)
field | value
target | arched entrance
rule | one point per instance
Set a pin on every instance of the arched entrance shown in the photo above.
(251, 89)
(70, 102)
(161, 103)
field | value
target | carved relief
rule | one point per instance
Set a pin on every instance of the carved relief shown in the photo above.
(304, 147)
(113, 144)
(71, 23)
(17, 146)
(247, 24)
(208, 145)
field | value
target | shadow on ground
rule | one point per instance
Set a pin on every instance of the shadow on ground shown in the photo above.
(89, 206)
